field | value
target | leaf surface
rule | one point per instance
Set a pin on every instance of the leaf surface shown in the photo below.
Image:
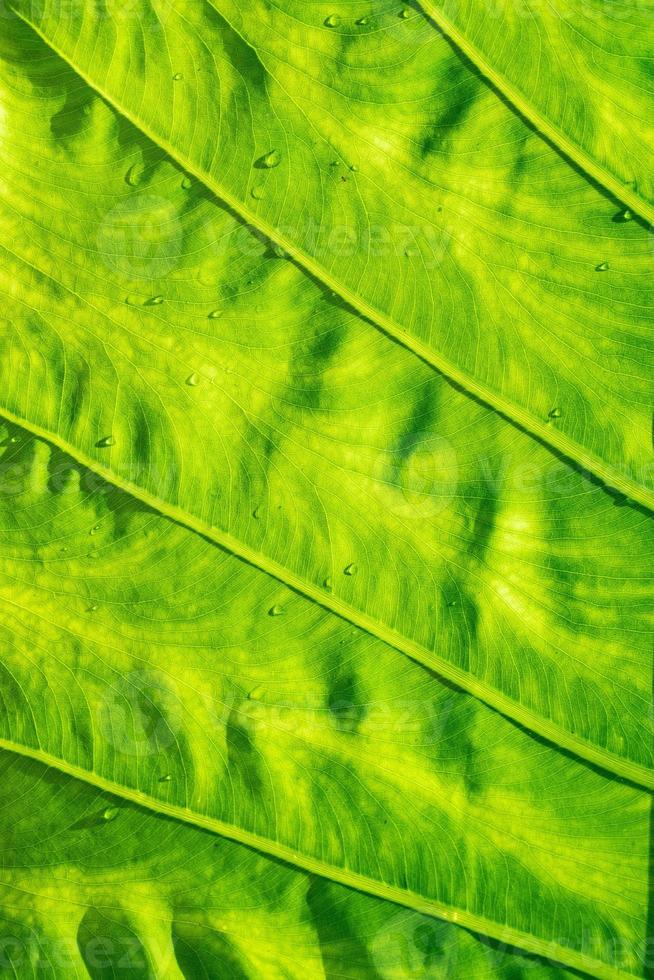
(581, 72)
(462, 233)
(134, 650)
(164, 345)
(92, 886)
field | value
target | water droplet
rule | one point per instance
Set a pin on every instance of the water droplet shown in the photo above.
(92, 609)
(256, 693)
(276, 611)
(215, 314)
(554, 413)
(256, 513)
(279, 252)
(14, 440)
(272, 159)
(154, 301)
(187, 183)
(95, 529)
(625, 215)
(354, 168)
(350, 569)
(328, 583)
(110, 813)
(105, 443)
(166, 778)
(193, 380)
(410, 251)
(332, 21)
(134, 175)
(257, 192)
(405, 14)
(602, 267)
(362, 21)
(178, 76)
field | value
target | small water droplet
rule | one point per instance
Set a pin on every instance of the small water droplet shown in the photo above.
(256, 513)
(154, 301)
(92, 609)
(178, 76)
(328, 583)
(332, 21)
(257, 192)
(276, 611)
(350, 569)
(166, 778)
(187, 183)
(602, 267)
(215, 314)
(554, 413)
(14, 440)
(362, 21)
(272, 159)
(105, 443)
(110, 813)
(280, 252)
(625, 215)
(256, 693)
(134, 175)
(404, 14)
(354, 168)
(95, 529)
(193, 380)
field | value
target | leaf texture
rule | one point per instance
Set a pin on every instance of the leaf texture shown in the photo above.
(93, 887)
(212, 378)
(133, 649)
(462, 233)
(580, 71)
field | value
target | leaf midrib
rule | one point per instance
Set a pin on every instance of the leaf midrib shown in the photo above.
(359, 882)
(514, 413)
(554, 134)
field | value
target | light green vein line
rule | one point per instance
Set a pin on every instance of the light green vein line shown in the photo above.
(558, 137)
(352, 879)
(496, 699)
(554, 438)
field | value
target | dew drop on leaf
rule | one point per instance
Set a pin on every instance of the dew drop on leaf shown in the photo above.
(272, 159)
(405, 14)
(256, 513)
(332, 21)
(257, 192)
(166, 778)
(92, 609)
(193, 380)
(187, 183)
(105, 442)
(350, 569)
(178, 76)
(134, 175)
(256, 693)
(362, 21)
(276, 611)
(602, 267)
(327, 583)
(215, 314)
(154, 301)
(110, 813)
(554, 413)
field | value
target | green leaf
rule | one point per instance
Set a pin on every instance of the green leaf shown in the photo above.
(463, 234)
(134, 650)
(581, 72)
(254, 407)
(143, 896)
(240, 527)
